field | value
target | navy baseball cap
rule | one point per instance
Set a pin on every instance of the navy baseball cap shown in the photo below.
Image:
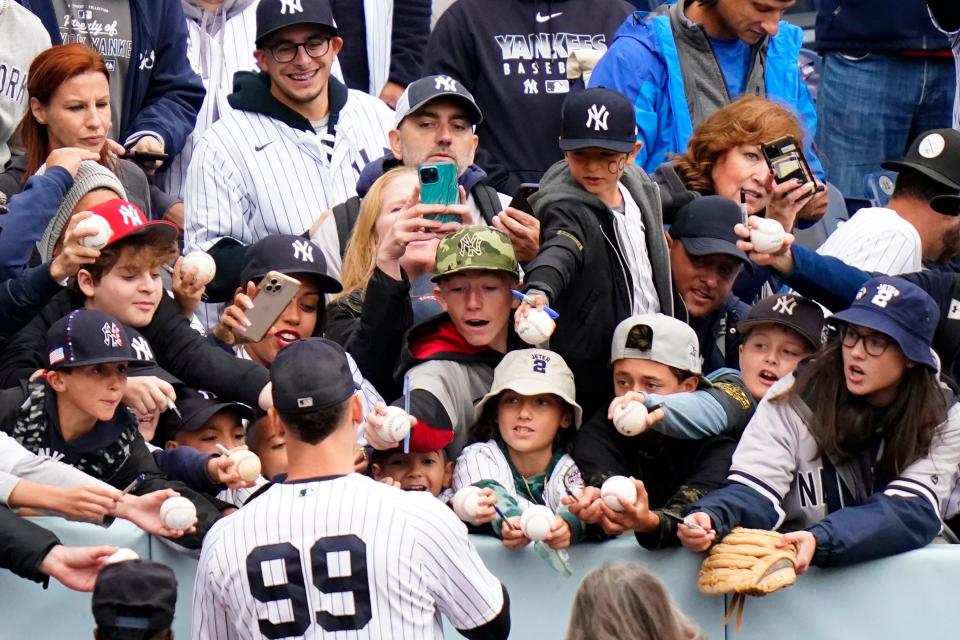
(419, 92)
(136, 594)
(899, 309)
(87, 336)
(310, 375)
(705, 227)
(790, 310)
(274, 15)
(598, 118)
(196, 409)
(288, 255)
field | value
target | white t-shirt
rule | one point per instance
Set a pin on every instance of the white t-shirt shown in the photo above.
(876, 239)
(632, 236)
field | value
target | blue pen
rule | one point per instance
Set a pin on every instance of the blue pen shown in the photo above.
(406, 409)
(530, 301)
(504, 517)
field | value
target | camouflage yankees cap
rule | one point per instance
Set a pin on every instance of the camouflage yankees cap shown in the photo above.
(476, 247)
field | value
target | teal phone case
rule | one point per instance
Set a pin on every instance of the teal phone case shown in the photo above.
(438, 183)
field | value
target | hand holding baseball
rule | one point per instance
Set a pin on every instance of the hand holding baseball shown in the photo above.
(73, 254)
(629, 418)
(188, 286)
(374, 428)
(782, 260)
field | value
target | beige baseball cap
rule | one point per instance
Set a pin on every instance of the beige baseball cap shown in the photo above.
(530, 372)
(661, 338)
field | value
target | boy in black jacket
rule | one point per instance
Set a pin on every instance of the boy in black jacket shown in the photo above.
(83, 422)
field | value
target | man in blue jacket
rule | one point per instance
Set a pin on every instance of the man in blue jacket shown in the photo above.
(154, 94)
(887, 75)
(684, 60)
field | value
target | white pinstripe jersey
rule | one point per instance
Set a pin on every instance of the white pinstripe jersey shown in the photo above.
(876, 239)
(343, 557)
(485, 461)
(252, 175)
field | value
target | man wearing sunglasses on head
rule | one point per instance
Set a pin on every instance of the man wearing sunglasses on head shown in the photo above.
(293, 145)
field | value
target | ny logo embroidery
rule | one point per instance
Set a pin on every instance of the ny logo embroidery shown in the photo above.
(303, 250)
(209, 395)
(291, 7)
(785, 304)
(111, 335)
(142, 347)
(598, 117)
(446, 83)
(470, 246)
(147, 60)
(130, 216)
(885, 293)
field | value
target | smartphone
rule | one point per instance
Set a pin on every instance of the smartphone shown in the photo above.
(144, 156)
(787, 162)
(439, 185)
(272, 296)
(521, 197)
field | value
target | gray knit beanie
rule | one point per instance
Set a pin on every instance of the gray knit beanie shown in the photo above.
(91, 176)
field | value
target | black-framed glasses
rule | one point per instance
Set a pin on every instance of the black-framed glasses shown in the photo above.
(287, 51)
(873, 343)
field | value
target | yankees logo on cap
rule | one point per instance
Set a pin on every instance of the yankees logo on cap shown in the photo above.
(789, 310)
(87, 336)
(421, 92)
(476, 247)
(126, 220)
(288, 255)
(598, 118)
(934, 154)
(274, 15)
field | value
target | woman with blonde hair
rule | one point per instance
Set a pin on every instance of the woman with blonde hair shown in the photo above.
(624, 600)
(724, 157)
(386, 273)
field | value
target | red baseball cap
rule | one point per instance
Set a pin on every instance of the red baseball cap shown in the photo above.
(126, 219)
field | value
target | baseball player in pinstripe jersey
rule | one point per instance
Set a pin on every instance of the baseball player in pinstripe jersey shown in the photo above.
(326, 553)
(293, 146)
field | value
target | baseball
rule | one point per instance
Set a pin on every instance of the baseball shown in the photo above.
(618, 487)
(122, 555)
(536, 522)
(466, 503)
(99, 224)
(767, 237)
(203, 261)
(630, 418)
(178, 513)
(536, 328)
(247, 464)
(396, 425)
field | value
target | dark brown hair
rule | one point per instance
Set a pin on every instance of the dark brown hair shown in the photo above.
(843, 424)
(149, 250)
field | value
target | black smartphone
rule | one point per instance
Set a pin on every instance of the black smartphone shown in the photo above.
(141, 157)
(521, 199)
(787, 162)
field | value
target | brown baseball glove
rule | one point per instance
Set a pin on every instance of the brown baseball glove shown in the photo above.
(747, 562)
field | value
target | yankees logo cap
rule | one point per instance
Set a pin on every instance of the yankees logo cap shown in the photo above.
(274, 15)
(935, 154)
(599, 118)
(790, 310)
(126, 219)
(309, 375)
(475, 247)
(420, 92)
(136, 594)
(898, 309)
(531, 372)
(196, 409)
(661, 339)
(289, 255)
(87, 336)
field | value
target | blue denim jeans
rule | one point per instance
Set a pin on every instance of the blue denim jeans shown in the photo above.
(870, 108)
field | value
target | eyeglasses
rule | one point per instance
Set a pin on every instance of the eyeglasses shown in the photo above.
(874, 343)
(287, 51)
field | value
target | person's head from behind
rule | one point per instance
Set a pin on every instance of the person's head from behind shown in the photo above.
(654, 353)
(134, 600)
(69, 92)
(378, 212)
(476, 270)
(881, 371)
(434, 122)
(269, 445)
(704, 258)
(624, 600)
(531, 405)
(297, 50)
(203, 423)
(748, 20)
(125, 280)
(314, 397)
(598, 137)
(779, 332)
(930, 170)
(419, 470)
(88, 353)
(305, 315)
(724, 154)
